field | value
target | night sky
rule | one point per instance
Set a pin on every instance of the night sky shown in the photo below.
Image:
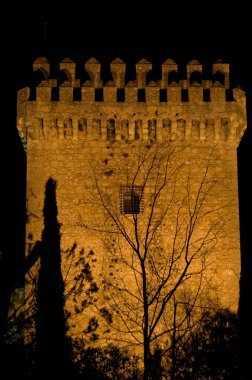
(206, 33)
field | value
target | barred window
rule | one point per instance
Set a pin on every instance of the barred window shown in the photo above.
(131, 199)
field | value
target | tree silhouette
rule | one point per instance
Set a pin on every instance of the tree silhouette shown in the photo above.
(211, 351)
(176, 196)
(40, 313)
(52, 345)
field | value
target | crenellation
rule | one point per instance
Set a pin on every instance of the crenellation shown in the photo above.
(174, 95)
(142, 68)
(218, 94)
(136, 90)
(87, 94)
(93, 68)
(220, 72)
(43, 92)
(118, 70)
(131, 92)
(42, 65)
(169, 67)
(69, 67)
(66, 92)
(110, 92)
(195, 94)
(152, 92)
(194, 72)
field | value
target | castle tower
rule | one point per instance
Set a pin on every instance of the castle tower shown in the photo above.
(97, 146)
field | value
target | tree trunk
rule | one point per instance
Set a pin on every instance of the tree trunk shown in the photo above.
(146, 328)
(174, 338)
(146, 374)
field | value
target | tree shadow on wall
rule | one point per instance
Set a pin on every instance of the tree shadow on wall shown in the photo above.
(52, 346)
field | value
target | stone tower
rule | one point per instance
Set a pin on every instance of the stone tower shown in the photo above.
(89, 137)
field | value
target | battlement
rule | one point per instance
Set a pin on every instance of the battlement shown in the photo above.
(195, 108)
(193, 89)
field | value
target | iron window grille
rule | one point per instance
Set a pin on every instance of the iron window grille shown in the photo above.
(131, 199)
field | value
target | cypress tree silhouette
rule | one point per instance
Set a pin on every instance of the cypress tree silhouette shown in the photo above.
(52, 346)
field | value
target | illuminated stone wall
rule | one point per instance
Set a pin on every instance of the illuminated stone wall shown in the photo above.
(103, 131)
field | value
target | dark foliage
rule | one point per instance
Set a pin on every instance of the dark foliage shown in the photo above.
(109, 363)
(212, 352)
